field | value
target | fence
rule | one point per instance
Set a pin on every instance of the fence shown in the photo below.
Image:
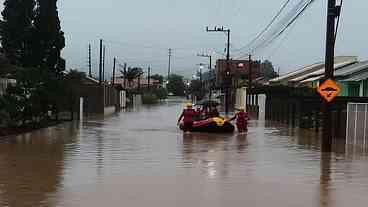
(356, 125)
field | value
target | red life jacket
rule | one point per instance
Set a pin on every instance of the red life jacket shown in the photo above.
(188, 115)
(241, 117)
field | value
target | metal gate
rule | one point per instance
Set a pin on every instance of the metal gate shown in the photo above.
(357, 125)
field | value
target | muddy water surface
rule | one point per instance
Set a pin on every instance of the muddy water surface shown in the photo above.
(139, 158)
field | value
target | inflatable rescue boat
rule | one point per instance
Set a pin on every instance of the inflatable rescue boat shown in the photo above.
(211, 125)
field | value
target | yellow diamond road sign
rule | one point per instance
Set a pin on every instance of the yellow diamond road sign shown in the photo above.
(329, 90)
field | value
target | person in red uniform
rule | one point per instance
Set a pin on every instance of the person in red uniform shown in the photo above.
(241, 120)
(187, 116)
(198, 114)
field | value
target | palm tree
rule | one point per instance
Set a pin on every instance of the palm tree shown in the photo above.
(132, 74)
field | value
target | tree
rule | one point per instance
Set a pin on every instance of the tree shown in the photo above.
(47, 39)
(195, 89)
(16, 29)
(26, 102)
(158, 77)
(268, 69)
(176, 85)
(32, 40)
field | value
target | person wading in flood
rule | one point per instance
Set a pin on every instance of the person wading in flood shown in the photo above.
(241, 120)
(188, 115)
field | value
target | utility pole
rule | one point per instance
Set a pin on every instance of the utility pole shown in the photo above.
(139, 82)
(125, 72)
(333, 12)
(207, 56)
(89, 60)
(211, 72)
(103, 63)
(250, 74)
(113, 72)
(227, 78)
(169, 67)
(149, 78)
(201, 78)
(100, 65)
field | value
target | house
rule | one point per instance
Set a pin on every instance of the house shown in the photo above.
(100, 98)
(353, 80)
(350, 74)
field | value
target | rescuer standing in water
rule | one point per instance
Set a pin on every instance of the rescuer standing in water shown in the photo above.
(241, 120)
(187, 116)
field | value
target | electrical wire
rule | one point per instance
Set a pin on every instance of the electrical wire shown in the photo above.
(280, 27)
(338, 20)
(282, 23)
(284, 29)
(268, 25)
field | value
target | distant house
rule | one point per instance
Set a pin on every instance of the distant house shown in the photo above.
(238, 69)
(136, 83)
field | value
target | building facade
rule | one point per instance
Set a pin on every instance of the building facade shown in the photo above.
(239, 69)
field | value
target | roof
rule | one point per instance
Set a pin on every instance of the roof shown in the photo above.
(356, 77)
(294, 73)
(314, 69)
(351, 69)
(353, 72)
(312, 79)
(92, 79)
(319, 72)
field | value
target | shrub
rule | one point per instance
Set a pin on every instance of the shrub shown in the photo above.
(149, 98)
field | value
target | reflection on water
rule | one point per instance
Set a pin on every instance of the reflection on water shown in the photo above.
(140, 158)
(31, 166)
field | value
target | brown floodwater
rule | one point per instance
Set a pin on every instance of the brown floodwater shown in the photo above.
(139, 158)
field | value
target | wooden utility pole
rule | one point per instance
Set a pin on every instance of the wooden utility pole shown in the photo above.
(210, 70)
(100, 64)
(169, 66)
(149, 78)
(227, 75)
(250, 74)
(113, 72)
(201, 79)
(125, 72)
(103, 63)
(332, 14)
(139, 83)
(89, 61)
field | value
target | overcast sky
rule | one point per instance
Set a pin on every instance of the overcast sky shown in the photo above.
(140, 32)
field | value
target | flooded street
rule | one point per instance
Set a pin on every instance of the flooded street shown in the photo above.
(140, 158)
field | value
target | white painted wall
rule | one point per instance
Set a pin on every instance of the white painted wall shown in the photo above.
(81, 113)
(123, 99)
(4, 84)
(240, 98)
(361, 89)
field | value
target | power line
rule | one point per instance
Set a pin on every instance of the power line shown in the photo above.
(339, 8)
(286, 27)
(282, 26)
(268, 25)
